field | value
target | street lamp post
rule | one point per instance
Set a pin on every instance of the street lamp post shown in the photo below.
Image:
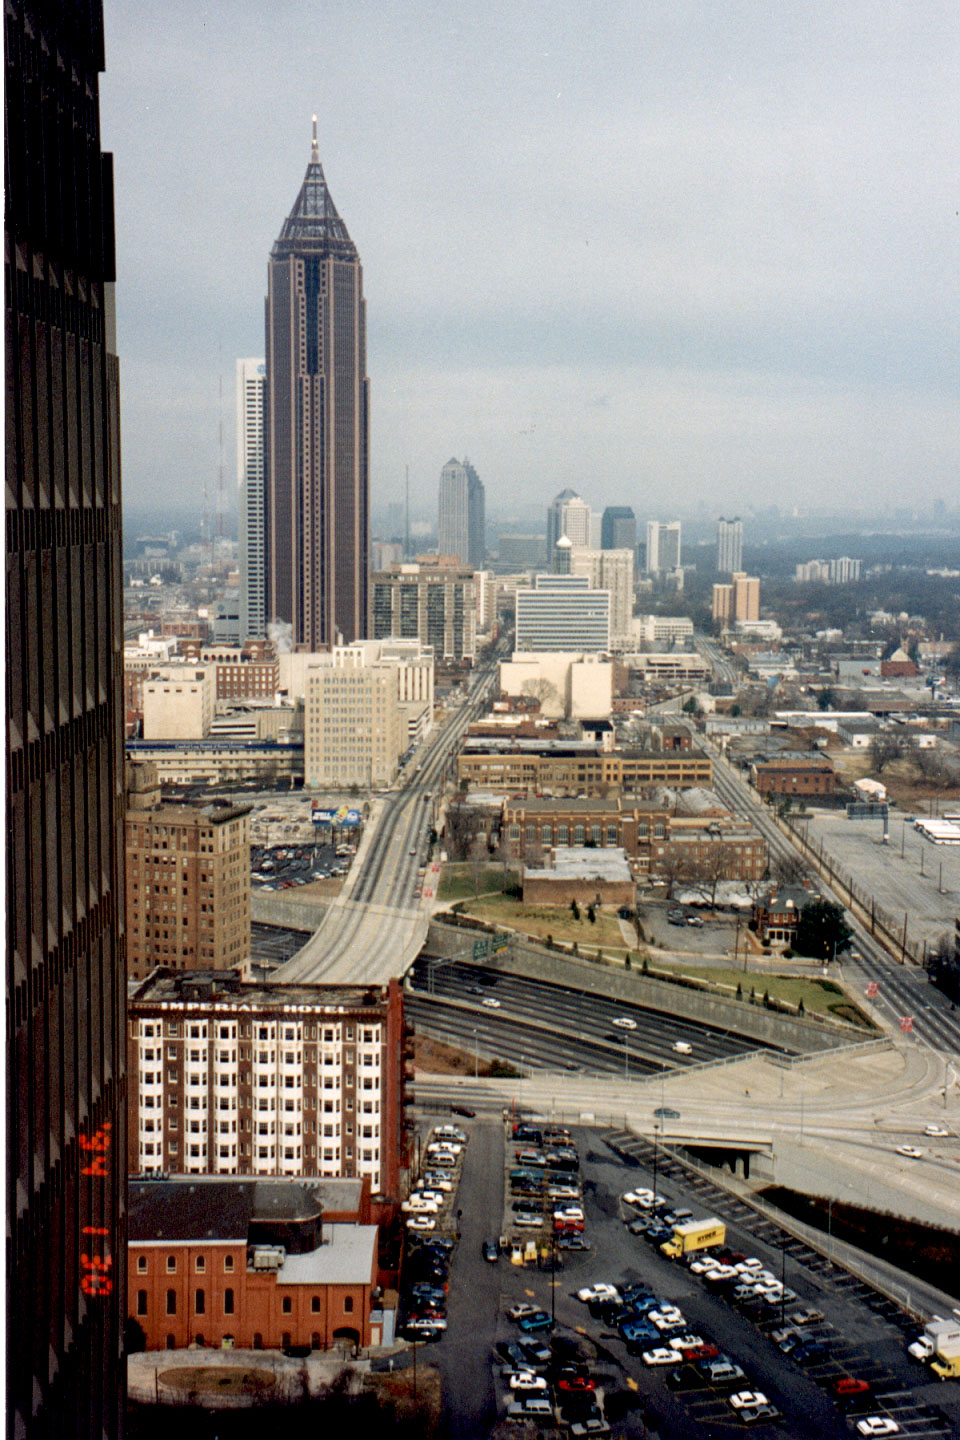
(656, 1134)
(476, 1055)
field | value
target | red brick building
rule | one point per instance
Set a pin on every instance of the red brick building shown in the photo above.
(795, 777)
(251, 1263)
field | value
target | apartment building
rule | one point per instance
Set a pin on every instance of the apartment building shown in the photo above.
(795, 777)
(187, 880)
(563, 613)
(240, 672)
(432, 603)
(740, 600)
(365, 705)
(231, 1077)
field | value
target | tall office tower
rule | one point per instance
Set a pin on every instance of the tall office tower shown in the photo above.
(729, 546)
(316, 430)
(462, 517)
(66, 980)
(652, 565)
(670, 546)
(251, 379)
(618, 528)
(555, 520)
(575, 521)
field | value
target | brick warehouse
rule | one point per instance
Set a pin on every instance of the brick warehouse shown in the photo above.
(253, 1264)
(229, 1077)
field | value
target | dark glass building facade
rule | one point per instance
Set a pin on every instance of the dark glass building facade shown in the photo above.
(65, 960)
(316, 425)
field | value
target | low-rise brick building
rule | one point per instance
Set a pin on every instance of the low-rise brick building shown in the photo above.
(813, 776)
(250, 1263)
(576, 768)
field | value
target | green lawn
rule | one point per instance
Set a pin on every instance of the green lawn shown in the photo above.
(821, 997)
(556, 920)
(463, 881)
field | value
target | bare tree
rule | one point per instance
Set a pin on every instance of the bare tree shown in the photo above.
(789, 870)
(715, 863)
(674, 868)
(884, 747)
(461, 827)
(545, 692)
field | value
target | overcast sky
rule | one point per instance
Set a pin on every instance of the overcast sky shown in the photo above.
(664, 251)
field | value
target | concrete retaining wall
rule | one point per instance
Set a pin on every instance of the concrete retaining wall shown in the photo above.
(799, 1034)
(304, 915)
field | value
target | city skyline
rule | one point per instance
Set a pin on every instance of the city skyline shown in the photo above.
(762, 307)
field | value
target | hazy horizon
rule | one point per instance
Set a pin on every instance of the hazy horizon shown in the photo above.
(672, 257)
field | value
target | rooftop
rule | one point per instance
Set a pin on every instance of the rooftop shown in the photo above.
(215, 1209)
(225, 989)
(583, 862)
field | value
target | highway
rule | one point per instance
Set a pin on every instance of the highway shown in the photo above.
(374, 930)
(536, 1021)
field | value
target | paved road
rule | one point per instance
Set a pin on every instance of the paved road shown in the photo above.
(464, 1353)
(376, 927)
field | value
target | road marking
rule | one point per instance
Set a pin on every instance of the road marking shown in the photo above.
(632, 1383)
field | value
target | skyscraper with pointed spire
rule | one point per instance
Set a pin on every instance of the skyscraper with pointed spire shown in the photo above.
(316, 424)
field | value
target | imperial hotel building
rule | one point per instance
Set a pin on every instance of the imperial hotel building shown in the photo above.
(65, 948)
(230, 1077)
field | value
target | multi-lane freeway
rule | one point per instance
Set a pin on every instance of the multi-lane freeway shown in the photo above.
(548, 1026)
(374, 930)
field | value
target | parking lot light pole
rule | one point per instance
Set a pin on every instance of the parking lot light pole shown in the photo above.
(656, 1132)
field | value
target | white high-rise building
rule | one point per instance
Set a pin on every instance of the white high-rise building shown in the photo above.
(461, 519)
(670, 546)
(729, 546)
(653, 547)
(251, 379)
(562, 612)
(575, 522)
(663, 546)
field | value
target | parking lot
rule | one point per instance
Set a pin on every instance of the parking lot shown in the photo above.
(699, 933)
(854, 1334)
(923, 881)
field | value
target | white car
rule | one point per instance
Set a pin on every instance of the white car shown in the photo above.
(666, 1319)
(744, 1267)
(703, 1265)
(937, 1130)
(747, 1399)
(638, 1197)
(414, 1206)
(921, 1349)
(911, 1152)
(682, 1047)
(623, 1022)
(491, 1003)
(685, 1342)
(421, 1222)
(522, 1309)
(527, 1380)
(662, 1356)
(878, 1425)
(601, 1291)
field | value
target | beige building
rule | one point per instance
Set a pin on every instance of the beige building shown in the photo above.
(740, 600)
(188, 881)
(609, 570)
(578, 687)
(353, 734)
(485, 599)
(178, 702)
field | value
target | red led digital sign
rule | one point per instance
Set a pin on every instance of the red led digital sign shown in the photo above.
(98, 1264)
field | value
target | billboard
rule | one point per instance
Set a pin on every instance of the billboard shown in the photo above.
(342, 816)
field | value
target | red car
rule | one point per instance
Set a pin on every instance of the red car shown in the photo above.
(700, 1352)
(576, 1384)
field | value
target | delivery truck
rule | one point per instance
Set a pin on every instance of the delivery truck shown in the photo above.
(694, 1235)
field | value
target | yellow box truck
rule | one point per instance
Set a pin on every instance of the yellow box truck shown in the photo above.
(694, 1235)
